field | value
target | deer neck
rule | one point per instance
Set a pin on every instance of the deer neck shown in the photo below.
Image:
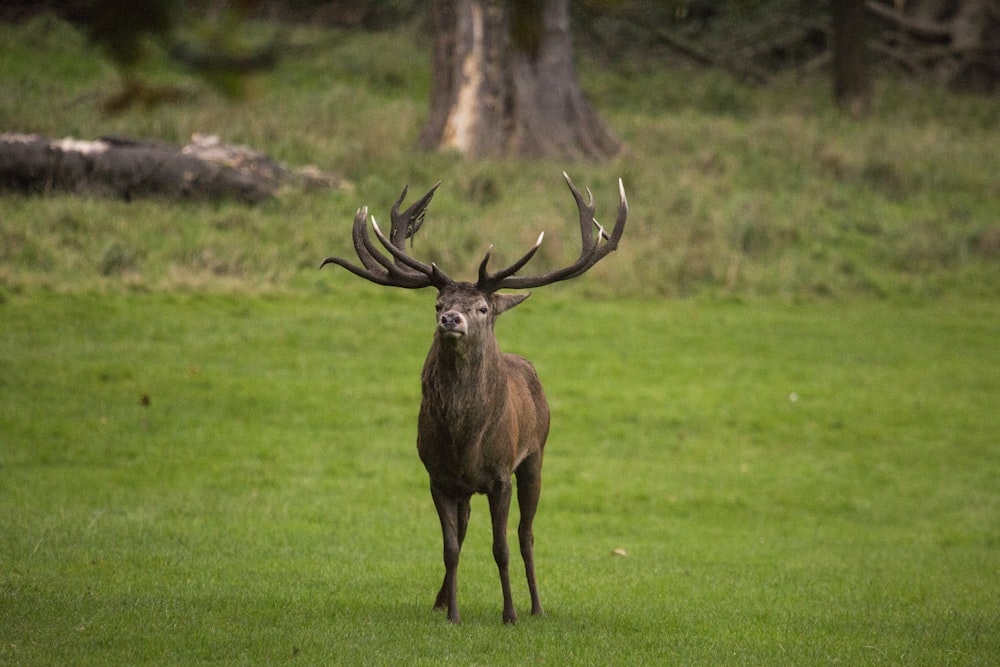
(465, 380)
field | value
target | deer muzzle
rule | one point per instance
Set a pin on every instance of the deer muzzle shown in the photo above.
(452, 323)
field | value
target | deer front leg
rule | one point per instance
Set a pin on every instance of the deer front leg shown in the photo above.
(499, 509)
(454, 516)
(464, 510)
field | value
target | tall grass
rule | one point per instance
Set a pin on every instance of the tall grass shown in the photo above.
(734, 190)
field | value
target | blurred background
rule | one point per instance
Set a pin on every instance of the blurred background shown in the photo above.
(769, 147)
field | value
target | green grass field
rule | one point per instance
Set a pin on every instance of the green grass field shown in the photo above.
(779, 397)
(792, 484)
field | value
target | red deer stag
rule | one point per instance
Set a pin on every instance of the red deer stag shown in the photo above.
(483, 416)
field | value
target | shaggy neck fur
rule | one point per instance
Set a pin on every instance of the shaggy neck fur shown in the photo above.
(464, 379)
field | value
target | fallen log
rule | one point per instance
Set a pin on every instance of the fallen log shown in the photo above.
(205, 169)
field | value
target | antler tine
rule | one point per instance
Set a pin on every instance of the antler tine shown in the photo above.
(592, 250)
(383, 278)
(486, 279)
(367, 252)
(407, 224)
(357, 232)
(587, 221)
(398, 227)
(619, 228)
(402, 259)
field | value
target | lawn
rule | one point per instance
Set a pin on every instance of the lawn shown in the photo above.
(233, 479)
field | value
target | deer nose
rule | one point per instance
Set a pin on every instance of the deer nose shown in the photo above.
(452, 323)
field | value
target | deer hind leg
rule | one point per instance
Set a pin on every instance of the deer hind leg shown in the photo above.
(454, 516)
(529, 489)
(499, 499)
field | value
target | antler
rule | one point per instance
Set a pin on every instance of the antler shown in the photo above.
(402, 270)
(406, 225)
(592, 252)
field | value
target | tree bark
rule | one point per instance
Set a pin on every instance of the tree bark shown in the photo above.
(852, 85)
(505, 85)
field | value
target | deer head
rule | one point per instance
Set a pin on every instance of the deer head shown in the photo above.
(399, 269)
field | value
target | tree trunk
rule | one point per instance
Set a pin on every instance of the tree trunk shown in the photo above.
(505, 84)
(852, 86)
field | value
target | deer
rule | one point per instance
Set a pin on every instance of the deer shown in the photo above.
(483, 415)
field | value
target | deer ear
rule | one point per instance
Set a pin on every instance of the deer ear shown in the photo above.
(504, 302)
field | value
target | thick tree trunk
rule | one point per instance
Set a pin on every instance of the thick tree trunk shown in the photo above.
(505, 84)
(852, 86)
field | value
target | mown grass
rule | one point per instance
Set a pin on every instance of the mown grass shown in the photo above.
(207, 445)
(193, 479)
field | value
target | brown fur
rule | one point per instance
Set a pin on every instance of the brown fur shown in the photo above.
(483, 418)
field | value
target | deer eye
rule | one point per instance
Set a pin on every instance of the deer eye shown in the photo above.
(438, 307)
(484, 310)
